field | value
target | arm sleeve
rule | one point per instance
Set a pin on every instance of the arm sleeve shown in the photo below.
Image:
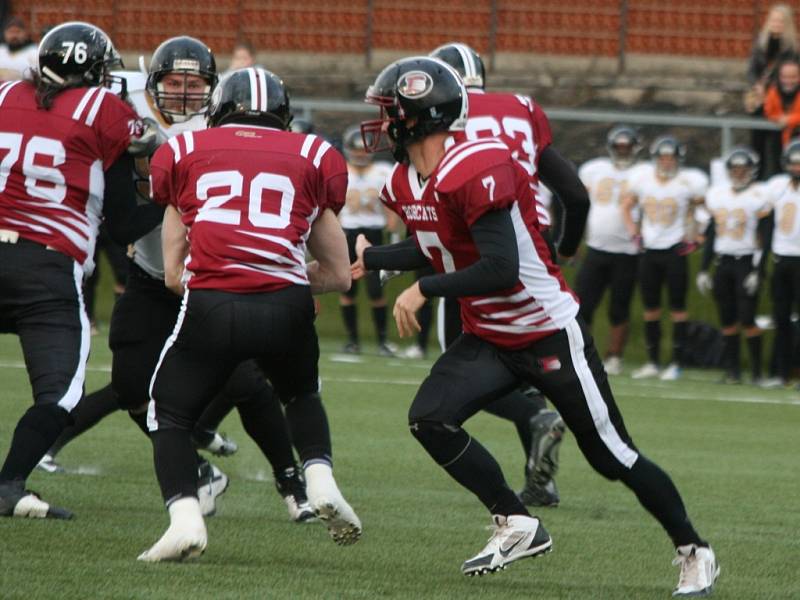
(402, 256)
(708, 248)
(558, 174)
(126, 220)
(496, 269)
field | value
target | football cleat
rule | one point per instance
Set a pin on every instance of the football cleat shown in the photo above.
(414, 352)
(513, 537)
(387, 349)
(646, 371)
(211, 484)
(186, 536)
(536, 494)
(613, 365)
(48, 464)
(547, 433)
(16, 501)
(292, 488)
(699, 571)
(221, 445)
(671, 373)
(772, 383)
(329, 505)
(351, 348)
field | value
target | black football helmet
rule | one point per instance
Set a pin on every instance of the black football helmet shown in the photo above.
(187, 56)
(623, 144)
(423, 88)
(667, 145)
(467, 63)
(353, 147)
(251, 95)
(301, 125)
(77, 54)
(790, 158)
(742, 163)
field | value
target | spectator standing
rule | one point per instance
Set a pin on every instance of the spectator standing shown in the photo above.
(775, 43)
(18, 53)
(782, 102)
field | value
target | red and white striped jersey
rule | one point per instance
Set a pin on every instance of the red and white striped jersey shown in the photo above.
(472, 179)
(52, 165)
(521, 124)
(248, 196)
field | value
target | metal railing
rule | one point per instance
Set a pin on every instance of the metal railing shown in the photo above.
(726, 125)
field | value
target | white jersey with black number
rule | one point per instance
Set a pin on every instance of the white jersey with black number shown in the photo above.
(736, 215)
(363, 208)
(784, 199)
(665, 205)
(147, 249)
(607, 185)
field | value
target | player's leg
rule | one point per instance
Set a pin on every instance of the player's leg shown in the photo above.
(90, 411)
(377, 299)
(465, 379)
(651, 279)
(196, 361)
(623, 284)
(782, 304)
(581, 392)
(262, 418)
(726, 295)
(283, 329)
(42, 294)
(677, 275)
(347, 300)
(591, 282)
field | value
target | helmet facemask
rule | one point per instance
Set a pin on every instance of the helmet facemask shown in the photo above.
(183, 93)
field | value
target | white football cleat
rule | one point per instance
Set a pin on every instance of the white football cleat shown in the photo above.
(329, 505)
(211, 484)
(49, 464)
(186, 536)
(613, 365)
(413, 352)
(221, 445)
(699, 570)
(514, 537)
(646, 371)
(671, 373)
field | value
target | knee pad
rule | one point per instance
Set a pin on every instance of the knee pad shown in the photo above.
(445, 443)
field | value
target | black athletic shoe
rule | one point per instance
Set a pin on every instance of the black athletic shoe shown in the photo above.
(292, 488)
(547, 433)
(534, 494)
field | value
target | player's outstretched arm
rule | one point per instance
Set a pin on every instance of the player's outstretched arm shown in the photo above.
(330, 272)
(174, 247)
(126, 220)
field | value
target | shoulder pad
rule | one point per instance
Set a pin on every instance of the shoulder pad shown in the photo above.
(466, 160)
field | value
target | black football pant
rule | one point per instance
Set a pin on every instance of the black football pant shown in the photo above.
(785, 298)
(566, 368)
(214, 333)
(41, 301)
(518, 406)
(599, 271)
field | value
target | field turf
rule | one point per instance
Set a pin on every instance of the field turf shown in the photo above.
(732, 450)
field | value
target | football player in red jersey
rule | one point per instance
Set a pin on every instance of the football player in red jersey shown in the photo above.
(245, 197)
(471, 215)
(63, 139)
(523, 126)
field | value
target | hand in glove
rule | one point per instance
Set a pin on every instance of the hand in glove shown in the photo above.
(704, 282)
(750, 283)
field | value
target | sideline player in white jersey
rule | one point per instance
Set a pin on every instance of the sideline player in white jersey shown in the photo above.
(172, 98)
(783, 192)
(612, 256)
(364, 214)
(667, 195)
(732, 242)
(471, 212)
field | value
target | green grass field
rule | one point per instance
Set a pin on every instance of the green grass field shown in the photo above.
(733, 452)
